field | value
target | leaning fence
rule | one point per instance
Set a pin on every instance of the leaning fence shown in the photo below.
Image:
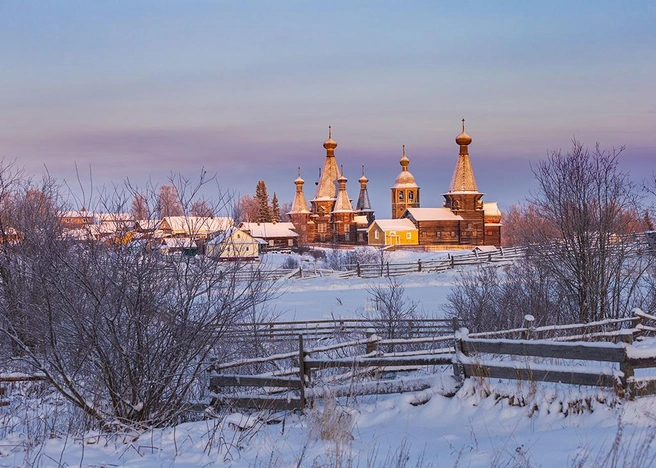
(598, 354)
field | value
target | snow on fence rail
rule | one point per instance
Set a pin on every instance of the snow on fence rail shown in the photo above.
(334, 328)
(461, 351)
(14, 378)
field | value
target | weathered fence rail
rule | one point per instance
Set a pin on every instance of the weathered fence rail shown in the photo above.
(587, 362)
(9, 379)
(335, 328)
(641, 243)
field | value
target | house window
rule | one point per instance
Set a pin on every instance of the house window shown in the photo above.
(321, 227)
(290, 242)
(347, 228)
(376, 234)
(248, 249)
(271, 243)
(408, 235)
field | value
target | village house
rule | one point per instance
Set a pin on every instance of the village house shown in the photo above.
(275, 236)
(233, 244)
(383, 232)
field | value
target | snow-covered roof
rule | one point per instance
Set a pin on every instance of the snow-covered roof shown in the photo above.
(147, 224)
(433, 214)
(178, 242)
(491, 209)
(230, 234)
(402, 224)
(361, 220)
(196, 224)
(112, 217)
(485, 249)
(76, 214)
(269, 230)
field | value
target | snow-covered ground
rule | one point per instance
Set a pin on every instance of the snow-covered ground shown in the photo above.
(331, 297)
(481, 426)
(487, 423)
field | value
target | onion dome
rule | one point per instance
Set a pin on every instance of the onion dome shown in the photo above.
(463, 139)
(363, 179)
(330, 144)
(405, 177)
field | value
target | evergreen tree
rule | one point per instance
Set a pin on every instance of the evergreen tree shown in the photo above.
(275, 209)
(262, 197)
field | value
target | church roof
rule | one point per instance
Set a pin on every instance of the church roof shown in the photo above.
(433, 214)
(269, 230)
(401, 224)
(343, 203)
(299, 205)
(326, 186)
(463, 176)
(405, 179)
(363, 204)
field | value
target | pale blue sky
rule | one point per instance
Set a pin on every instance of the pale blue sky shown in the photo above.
(247, 89)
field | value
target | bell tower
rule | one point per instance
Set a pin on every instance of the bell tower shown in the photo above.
(405, 191)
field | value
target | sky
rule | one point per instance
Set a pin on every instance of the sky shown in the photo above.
(141, 90)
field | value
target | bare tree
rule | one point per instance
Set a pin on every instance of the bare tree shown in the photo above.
(202, 209)
(585, 257)
(169, 202)
(246, 209)
(139, 207)
(121, 331)
(392, 308)
(586, 198)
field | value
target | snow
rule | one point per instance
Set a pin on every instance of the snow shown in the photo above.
(486, 423)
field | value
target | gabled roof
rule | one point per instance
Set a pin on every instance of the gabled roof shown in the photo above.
(433, 214)
(269, 230)
(178, 243)
(230, 235)
(401, 224)
(194, 225)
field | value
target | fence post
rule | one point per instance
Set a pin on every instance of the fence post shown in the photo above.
(452, 262)
(636, 322)
(358, 269)
(372, 346)
(301, 370)
(388, 269)
(627, 369)
(458, 368)
(419, 265)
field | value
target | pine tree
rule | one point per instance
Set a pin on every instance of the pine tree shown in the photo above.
(262, 197)
(275, 209)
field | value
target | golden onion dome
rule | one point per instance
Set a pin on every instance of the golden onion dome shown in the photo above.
(330, 143)
(405, 177)
(463, 139)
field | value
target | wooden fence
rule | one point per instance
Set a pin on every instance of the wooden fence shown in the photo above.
(298, 384)
(7, 380)
(339, 328)
(643, 244)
